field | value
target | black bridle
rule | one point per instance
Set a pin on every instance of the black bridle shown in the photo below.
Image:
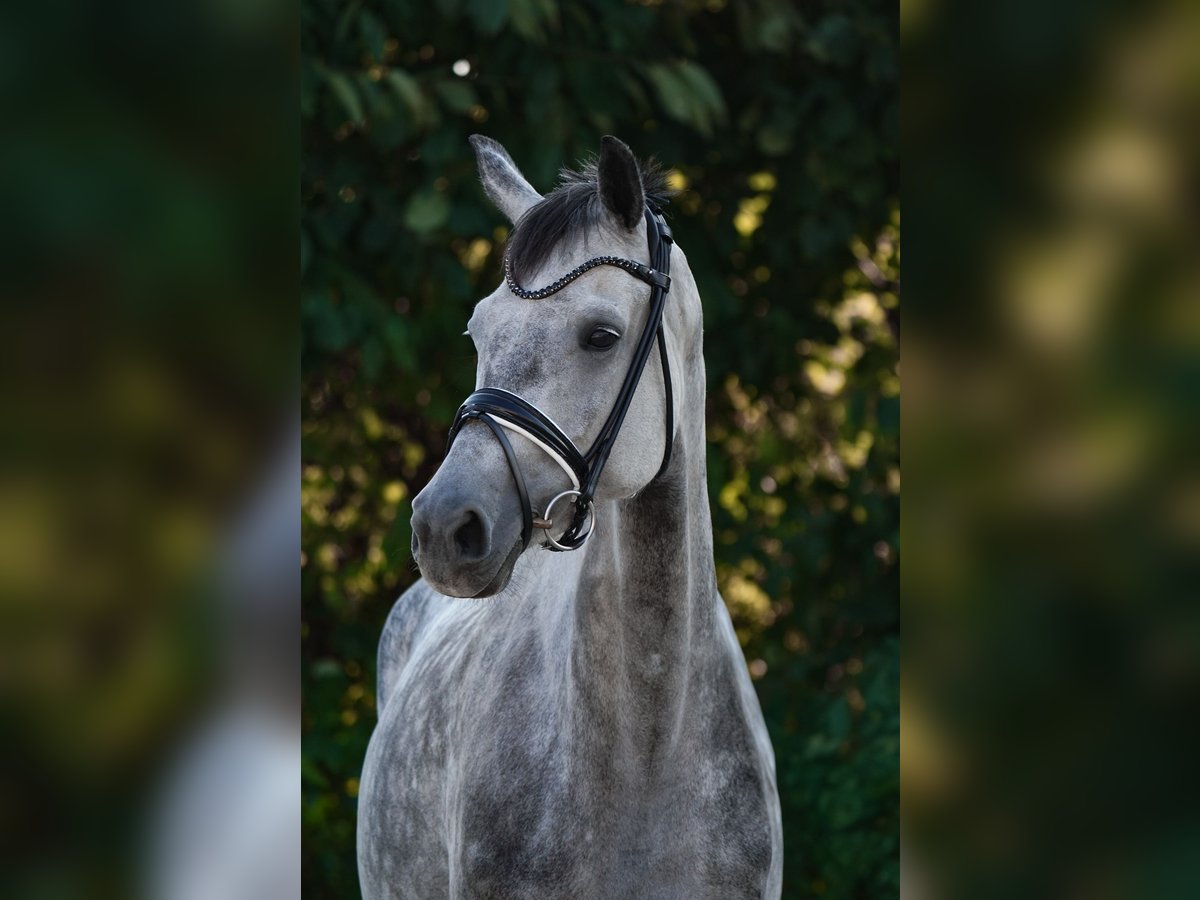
(502, 410)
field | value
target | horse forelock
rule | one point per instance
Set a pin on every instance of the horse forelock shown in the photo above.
(573, 208)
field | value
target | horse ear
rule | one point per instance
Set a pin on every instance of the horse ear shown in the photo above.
(620, 182)
(502, 180)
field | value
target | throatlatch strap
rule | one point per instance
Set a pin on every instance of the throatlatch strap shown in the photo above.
(669, 434)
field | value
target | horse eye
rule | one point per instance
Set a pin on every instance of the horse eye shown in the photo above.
(602, 338)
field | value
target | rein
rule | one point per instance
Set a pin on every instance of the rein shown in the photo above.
(503, 410)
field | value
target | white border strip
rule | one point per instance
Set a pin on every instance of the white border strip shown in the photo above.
(509, 426)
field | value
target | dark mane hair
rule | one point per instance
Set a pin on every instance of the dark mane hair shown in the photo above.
(572, 206)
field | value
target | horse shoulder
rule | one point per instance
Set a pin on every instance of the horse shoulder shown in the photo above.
(403, 628)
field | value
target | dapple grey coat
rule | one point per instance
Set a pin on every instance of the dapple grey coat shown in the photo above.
(589, 730)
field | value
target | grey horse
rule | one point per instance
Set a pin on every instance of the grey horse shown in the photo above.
(583, 724)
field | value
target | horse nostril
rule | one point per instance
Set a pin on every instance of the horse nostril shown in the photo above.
(420, 530)
(469, 538)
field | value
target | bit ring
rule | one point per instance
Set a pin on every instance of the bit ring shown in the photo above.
(550, 541)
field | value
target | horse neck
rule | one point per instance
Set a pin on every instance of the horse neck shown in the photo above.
(646, 595)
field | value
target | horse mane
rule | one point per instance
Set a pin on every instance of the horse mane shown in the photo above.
(574, 205)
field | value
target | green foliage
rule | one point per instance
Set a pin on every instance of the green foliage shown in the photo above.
(780, 127)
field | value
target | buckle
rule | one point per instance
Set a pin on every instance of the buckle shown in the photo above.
(652, 276)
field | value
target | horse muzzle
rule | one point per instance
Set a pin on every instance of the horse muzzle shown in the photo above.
(463, 548)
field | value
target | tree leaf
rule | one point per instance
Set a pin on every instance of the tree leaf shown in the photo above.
(409, 92)
(704, 89)
(676, 96)
(489, 15)
(373, 34)
(427, 211)
(343, 89)
(527, 17)
(457, 95)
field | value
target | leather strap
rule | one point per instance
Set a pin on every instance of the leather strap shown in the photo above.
(508, 407)
(659, 238)
(518, 477)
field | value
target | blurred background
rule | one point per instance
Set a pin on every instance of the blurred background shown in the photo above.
(149, 451)
(779, 124)
(148, 273)
(1052, 410)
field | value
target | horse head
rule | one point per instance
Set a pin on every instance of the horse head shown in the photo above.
(562, 346)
